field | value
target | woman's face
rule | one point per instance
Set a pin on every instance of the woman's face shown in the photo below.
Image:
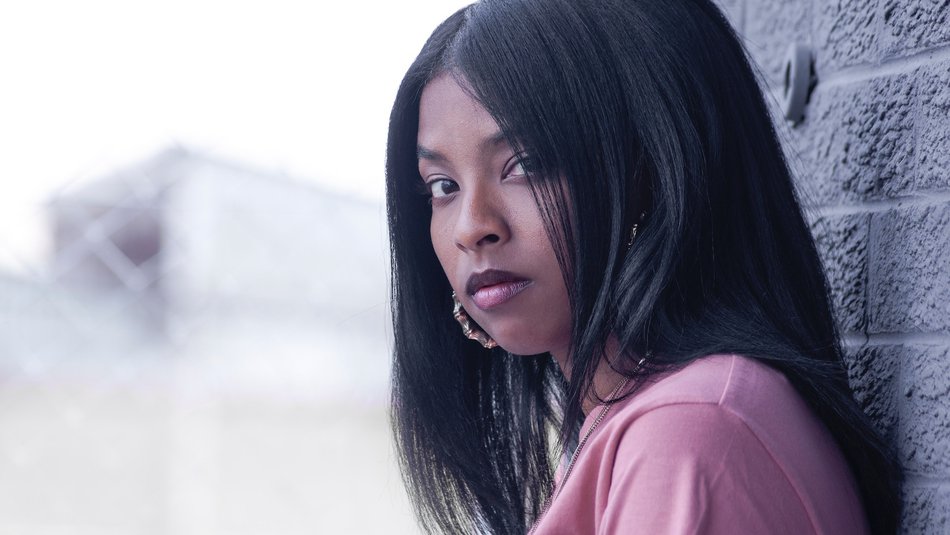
(486, 228)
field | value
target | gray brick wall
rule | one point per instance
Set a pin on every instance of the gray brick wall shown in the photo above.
(872, 159)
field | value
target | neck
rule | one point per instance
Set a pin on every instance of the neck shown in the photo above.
(606, 379)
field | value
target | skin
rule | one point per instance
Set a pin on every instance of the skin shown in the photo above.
(485, 217)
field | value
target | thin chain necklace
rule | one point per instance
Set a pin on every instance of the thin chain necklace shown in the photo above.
(580, 446)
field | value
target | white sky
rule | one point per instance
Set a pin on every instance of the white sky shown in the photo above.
(303, 87)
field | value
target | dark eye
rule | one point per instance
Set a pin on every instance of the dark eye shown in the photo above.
(441, 187)
(523, 165)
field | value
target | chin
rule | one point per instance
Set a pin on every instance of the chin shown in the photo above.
(520, 349)
(517, 343)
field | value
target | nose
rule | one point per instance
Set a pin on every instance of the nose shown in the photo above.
(482, 221)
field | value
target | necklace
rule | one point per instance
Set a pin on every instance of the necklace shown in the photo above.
(580, 446)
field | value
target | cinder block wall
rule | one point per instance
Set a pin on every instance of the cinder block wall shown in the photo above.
(872, 159)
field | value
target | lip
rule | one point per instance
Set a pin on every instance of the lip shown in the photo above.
(492, 287)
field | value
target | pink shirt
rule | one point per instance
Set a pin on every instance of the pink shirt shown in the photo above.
(723, 446)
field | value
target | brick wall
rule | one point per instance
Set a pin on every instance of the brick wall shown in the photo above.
(872, 159)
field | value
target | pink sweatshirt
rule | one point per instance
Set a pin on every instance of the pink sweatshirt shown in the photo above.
(724, 446)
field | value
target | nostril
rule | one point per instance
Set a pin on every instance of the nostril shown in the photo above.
(491, 238)
(487, 239)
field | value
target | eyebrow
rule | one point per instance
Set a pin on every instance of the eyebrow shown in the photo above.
(423, 153)
(492, 141)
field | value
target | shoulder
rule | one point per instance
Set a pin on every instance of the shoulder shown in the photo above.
(725, 439)
(720, 394)
(730, 380)
(716, 406)
(707, 421)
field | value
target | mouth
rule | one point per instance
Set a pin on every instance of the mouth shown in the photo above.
(493, 287)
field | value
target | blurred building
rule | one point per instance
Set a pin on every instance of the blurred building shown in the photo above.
(207, 353)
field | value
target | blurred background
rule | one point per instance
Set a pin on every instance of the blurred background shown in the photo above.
(194, 333)
(193, 273)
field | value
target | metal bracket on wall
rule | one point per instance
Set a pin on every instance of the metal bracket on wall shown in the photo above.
(800, 81)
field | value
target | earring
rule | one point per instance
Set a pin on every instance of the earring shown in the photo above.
(633, 231)
(472, 333)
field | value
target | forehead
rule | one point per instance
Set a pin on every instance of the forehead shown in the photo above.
(450, 118)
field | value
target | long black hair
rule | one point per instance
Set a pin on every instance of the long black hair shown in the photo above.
(639, 107)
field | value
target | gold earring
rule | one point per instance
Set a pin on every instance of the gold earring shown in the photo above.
(471, 333)
(633, 231)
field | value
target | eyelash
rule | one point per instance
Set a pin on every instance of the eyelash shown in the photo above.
(527, 164)
(428, 187)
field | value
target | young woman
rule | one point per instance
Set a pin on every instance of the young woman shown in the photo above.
(594, 232)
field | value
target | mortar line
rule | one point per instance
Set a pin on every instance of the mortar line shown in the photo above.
(867, 273)
(888, 67)
(925, 481)
(742, 16)
(936, 198)
(857, 339)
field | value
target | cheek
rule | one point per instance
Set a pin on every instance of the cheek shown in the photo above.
(442, 244)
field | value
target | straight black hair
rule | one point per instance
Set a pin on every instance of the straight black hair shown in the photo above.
(638, 107)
